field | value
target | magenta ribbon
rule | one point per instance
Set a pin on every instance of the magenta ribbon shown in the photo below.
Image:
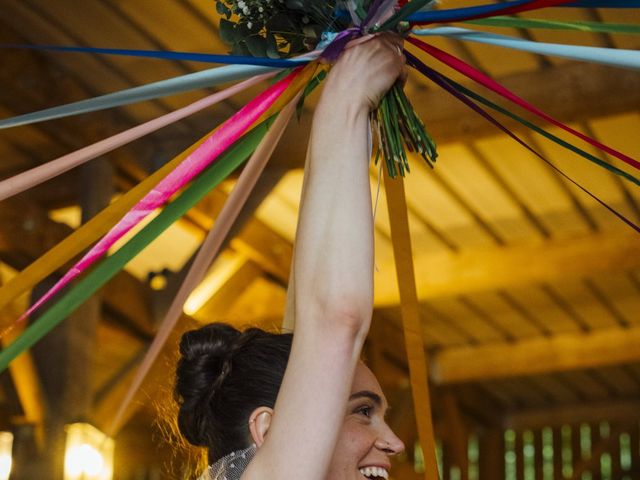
(194, 163)
(491, 84)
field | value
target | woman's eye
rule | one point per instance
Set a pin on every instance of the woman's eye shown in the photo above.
(365, 410)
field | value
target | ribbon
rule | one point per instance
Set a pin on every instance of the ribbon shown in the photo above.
(207, 253)
(200, 158)
(411, 322)
(491, 84)
(191, 81)
(168, 55)
(480, 11)
(85, 235)
(444, 82)
(35, 176)
(106, 269)
(518, 22)
(608, 56)
(541, 131)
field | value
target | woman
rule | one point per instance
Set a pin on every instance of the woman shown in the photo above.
(280, 400)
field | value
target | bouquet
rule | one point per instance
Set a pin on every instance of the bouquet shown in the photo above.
(286, 28)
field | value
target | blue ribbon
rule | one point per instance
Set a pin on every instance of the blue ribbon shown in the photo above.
(607, 56)
(456, 14)
(192, 81)
(166, 55)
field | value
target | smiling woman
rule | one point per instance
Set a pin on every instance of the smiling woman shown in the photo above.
(303, 405)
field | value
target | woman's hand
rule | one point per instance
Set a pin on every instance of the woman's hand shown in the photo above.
(367, 69)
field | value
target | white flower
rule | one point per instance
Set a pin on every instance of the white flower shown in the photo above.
(246, 10)
(260, 9)
(249, 25)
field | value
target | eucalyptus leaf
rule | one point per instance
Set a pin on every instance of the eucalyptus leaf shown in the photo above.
(227, 33)
(240, 48)
(295, 4)
(272, 46)
(257, 45)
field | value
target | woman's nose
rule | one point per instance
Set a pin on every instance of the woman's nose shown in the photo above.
(390, 443)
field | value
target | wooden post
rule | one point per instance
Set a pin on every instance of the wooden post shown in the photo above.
(539, 459)
(576, 450)
(491, 459)
(635, 446)
(557, 453)
(65, 356)
(519, 456)
(457, 441)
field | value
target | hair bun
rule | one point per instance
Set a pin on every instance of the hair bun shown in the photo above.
(205, 361)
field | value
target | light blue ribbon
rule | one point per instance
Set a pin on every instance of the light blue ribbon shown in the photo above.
(607, 56)
(191, 81)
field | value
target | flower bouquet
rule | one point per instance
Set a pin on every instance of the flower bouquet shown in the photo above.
(286, 28)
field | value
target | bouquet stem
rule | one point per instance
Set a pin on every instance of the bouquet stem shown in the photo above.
(396, 125)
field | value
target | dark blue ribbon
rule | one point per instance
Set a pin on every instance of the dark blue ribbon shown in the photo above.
(167, 55)
(456, 14)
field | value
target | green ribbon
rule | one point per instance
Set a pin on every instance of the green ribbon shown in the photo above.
(516, 22)
(109, 267)
(543, 132)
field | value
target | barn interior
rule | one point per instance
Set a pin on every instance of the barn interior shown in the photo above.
(528, 288)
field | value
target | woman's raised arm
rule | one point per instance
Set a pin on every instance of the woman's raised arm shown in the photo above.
(333, 270)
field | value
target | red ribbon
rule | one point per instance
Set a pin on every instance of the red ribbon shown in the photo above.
(491, 84)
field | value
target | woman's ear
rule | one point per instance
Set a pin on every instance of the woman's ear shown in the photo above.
(259, 423)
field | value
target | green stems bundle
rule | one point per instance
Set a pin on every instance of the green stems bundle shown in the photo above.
(398, 129)
(395, 122)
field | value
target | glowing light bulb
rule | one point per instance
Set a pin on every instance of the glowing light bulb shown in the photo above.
(5, 466)
(83, 460)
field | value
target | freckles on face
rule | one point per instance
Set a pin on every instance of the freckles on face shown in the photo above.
(363, 425)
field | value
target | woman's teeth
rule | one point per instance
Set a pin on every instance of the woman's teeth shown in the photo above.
(373, 472)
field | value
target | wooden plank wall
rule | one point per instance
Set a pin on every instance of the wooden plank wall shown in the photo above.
(597, 451)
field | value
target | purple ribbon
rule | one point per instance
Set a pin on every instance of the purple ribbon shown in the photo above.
(335, 48)
(376, 11)
(442, 81)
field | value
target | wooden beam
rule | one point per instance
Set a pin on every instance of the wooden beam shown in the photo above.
(156, 381)
(615, 411)
(571, 92)
(255, 239)
(540, 355)
(603, 445)
(458, 433)
(26, 382)
(26, 232)
(505, 267)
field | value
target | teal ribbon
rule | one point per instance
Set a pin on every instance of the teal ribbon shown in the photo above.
(607, 56)
(163, 88)
(594, 27)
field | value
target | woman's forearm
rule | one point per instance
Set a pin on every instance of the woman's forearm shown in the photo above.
(333, 261)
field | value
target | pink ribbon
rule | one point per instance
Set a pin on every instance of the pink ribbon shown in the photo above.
(199, 159)
(35, 176)
(491, 84)
(206, 254)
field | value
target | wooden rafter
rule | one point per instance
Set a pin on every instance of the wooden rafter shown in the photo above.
(623, 410)
(539, 355)
(505, 267)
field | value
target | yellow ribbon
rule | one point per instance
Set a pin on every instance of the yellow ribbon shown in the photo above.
(91, 231)
(414, 342)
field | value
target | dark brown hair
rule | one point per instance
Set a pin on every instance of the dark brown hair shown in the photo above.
(222, 376)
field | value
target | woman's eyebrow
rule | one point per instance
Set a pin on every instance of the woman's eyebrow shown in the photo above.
(367, 394)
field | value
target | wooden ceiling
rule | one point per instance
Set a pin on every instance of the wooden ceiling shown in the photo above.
(529, 289)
